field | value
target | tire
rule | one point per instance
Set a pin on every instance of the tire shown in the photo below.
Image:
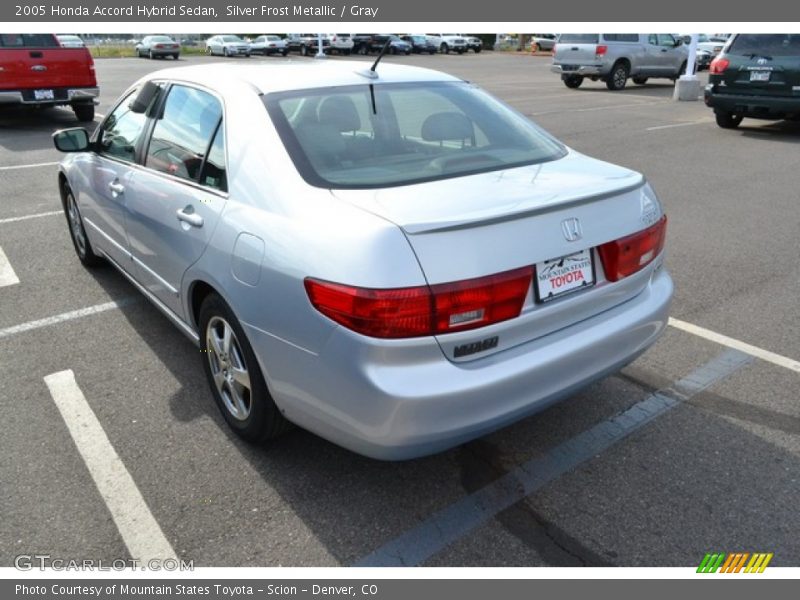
(175, 56)
(640, 80)
(347, 52)
(618, 77)
(244, 401)
(225, 51)
(84, 112)
(247, 55)
(460, 52)
(151, 56)
(445, 49)
(208, 51)
(284, 52)
(392, 50)
(728, 120)
(573, 81)
(304, 50)
(477, 50)
(83, 248)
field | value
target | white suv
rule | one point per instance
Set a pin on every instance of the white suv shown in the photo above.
(446, 42)
(341, 43)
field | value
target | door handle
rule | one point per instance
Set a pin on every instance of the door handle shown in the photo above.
(116, 188)
(187, 215)
(663, 49)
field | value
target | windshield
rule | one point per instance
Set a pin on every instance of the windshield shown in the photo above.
(370, 136)
(767, 44)
(231, 38)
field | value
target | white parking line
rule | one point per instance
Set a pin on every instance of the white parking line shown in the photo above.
(698, 122)
(595, 108)
(713, 336)
(34, 216)
(31, 166)
(7, 275)
(67, 316)
(137, 526)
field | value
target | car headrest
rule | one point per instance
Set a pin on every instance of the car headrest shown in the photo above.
(446, 126)
(339, 112)
(323, 144)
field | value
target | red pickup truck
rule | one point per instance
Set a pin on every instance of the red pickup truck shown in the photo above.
(36, 71)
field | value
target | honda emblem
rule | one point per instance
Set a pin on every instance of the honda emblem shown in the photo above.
(571, 229)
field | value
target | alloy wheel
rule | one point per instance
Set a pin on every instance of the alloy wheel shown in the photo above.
(228, 369)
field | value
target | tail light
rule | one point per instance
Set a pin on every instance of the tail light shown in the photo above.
(423, 310)
(718, 66)
(159, 45)
(626, 256)
(600, 51)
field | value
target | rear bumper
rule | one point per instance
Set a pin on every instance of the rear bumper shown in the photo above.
(401, 399)
(582, 70)
(61, 96)
(767, 107)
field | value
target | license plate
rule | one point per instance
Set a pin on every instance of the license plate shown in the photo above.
(563, 275)
(759, 75)
(43, 95)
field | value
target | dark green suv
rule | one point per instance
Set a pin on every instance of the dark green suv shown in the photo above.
(756, 76)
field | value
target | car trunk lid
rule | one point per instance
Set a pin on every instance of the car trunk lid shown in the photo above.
(479, 225)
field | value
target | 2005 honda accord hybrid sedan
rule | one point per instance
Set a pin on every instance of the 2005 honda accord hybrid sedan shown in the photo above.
(391, 258)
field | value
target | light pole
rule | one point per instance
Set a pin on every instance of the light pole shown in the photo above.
(687, 87)
(320, 53)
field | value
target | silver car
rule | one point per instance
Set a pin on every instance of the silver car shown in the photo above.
(269, 44)
(158, 46)
(396, 261)
(227, 45)
(614, 57)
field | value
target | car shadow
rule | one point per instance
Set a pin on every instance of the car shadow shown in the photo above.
(787, 132)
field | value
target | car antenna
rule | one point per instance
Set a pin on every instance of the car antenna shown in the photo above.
(372, 73)
(380, 56)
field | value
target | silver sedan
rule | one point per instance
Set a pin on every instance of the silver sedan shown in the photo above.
(158, 46)
(394, 260)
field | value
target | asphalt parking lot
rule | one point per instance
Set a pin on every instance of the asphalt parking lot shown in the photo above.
(693, 448)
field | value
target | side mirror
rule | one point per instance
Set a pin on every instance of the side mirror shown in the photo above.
(71, 140)
(678, 42)
(144, 98)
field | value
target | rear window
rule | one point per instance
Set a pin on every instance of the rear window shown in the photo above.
(370, 136)
(28, 40)
(579, 38)
(766, 44)
(621, 37)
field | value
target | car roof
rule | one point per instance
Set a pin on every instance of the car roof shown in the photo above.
(297, 74)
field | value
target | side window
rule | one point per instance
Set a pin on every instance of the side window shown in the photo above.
(121, 131)
(213, 173)
(652, 39)
(665, 39)
(183, 134)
